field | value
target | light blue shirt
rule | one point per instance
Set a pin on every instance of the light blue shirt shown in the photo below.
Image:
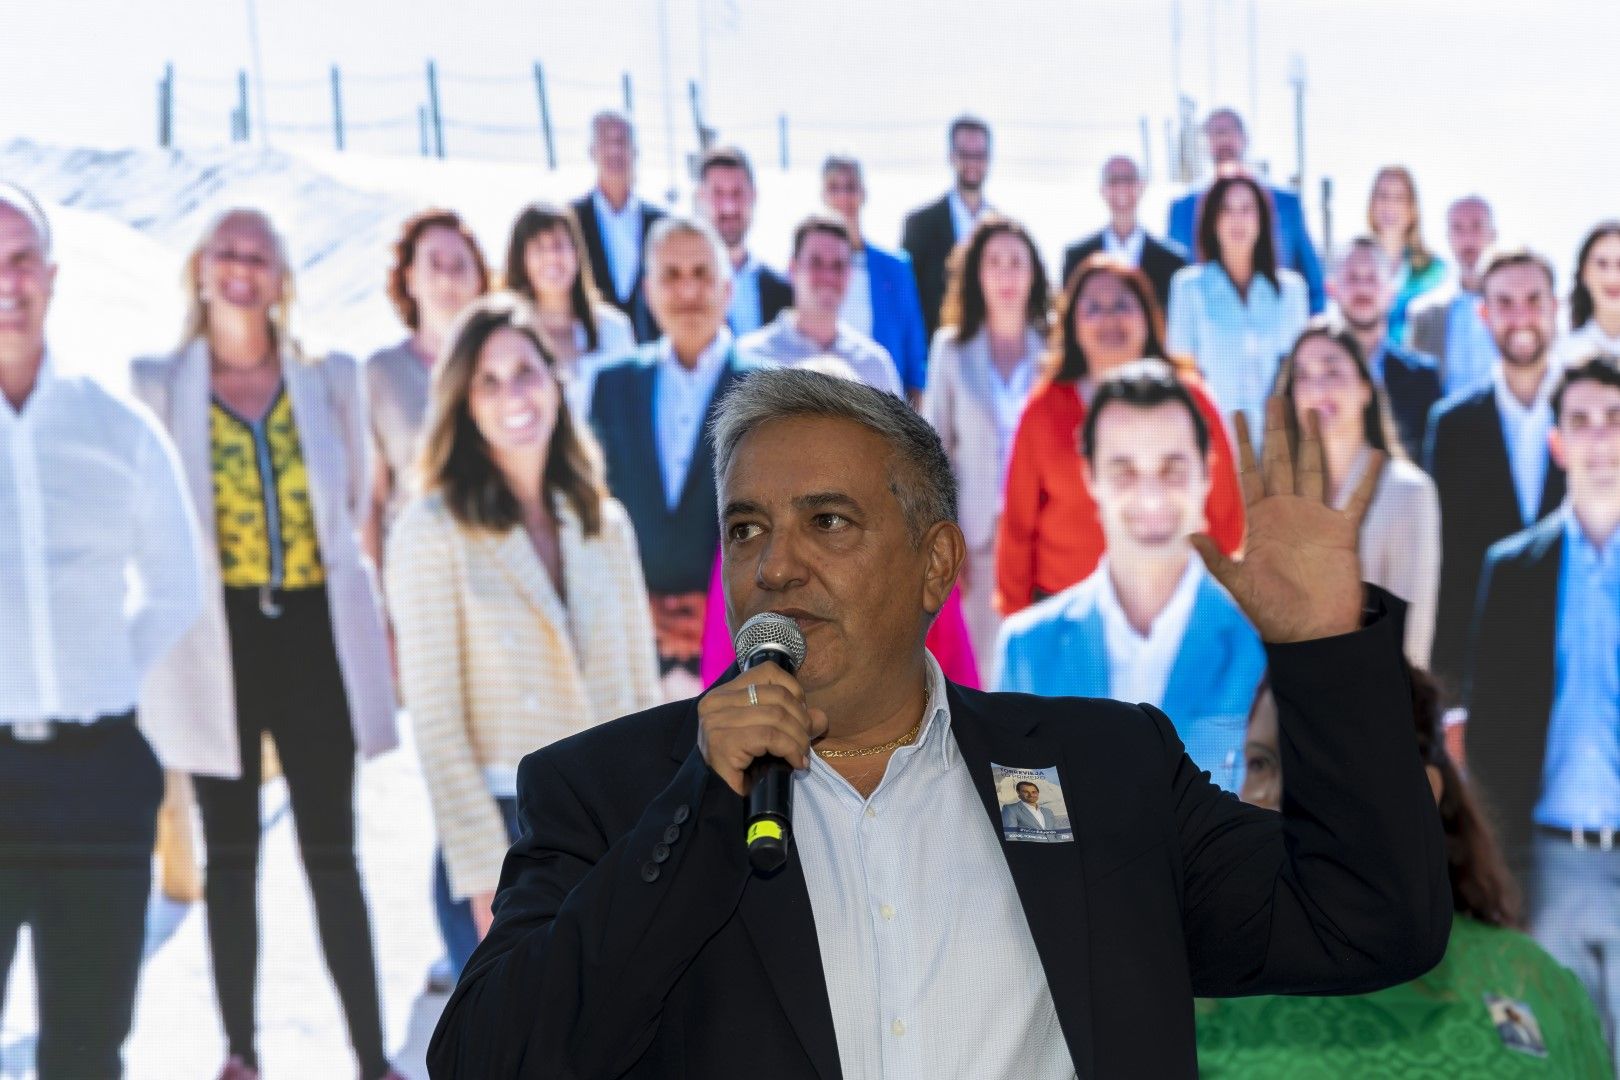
(681, 404)
(1236, 344)
(1524, 430)
(1580, 778)
(930, 965)
(743, 314)
(621, 237)
(1470, 350)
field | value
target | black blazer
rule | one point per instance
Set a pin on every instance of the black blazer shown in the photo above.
(1510, 683)
(1465, 453)
(1412, 384)
(634, 305)
(929, 237)
(632, 940)
(775, 294)
(1160, 261)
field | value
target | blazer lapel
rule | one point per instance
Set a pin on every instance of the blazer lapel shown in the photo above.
(1050, 878)
(516, 557)
(643, 442)
(776, 911)
(189, 398)
(319, 442)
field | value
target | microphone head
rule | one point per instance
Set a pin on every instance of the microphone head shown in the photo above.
(770, 636)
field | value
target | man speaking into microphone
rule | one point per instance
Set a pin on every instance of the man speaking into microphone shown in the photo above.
(912, 932)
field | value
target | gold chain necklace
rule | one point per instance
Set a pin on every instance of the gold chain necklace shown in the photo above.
(867, 751)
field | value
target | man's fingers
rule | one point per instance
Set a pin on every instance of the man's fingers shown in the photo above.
(1309, 479)
(1277, 462)
(1248, 467)
(1220, 566)
(1362, 497)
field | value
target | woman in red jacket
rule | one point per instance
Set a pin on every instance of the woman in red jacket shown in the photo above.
(1049, 537)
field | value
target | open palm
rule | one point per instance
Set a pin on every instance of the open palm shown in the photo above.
(1300, 574)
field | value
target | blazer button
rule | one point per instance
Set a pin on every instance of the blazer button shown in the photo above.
(672, 834)
(660, 852)
(649, 872)
(682, 812)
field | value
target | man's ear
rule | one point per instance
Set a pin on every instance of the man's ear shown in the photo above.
(1555, 444)
(947, 551)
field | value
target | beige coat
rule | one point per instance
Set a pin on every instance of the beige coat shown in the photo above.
(493, 663)
(189, 707)
(1400, 546)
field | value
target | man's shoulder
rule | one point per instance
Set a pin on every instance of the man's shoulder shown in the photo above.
(1089, 244)
(1081, 718)
(1051, 614)
(623, 746)
(1413, 360)
(930, 210)
(881, 260)
(1464, 406)
(107, 415)
(1434, 302)
(636, 362)
(1529, 547)
(1164, 246)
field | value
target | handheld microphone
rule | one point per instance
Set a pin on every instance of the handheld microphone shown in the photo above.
(776, 638)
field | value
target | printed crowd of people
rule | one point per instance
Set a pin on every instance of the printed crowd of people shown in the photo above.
(507, 525)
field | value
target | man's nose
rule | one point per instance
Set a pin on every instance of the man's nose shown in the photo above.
(780, 565)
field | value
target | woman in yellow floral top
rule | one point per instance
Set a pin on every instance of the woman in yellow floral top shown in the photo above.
(1496, 1007)
(293, 644)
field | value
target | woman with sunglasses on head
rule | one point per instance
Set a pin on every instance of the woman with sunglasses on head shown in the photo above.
(274, 444)
(1049, 536)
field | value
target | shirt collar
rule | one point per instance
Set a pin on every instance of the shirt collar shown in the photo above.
(709, 359)
(1508, 403)
(1581, 545)
(936, 712)
(632, 205)
(1114, 612)
(43, 379)
(789, 322)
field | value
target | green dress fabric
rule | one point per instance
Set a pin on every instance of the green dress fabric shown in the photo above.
(1438, 1026)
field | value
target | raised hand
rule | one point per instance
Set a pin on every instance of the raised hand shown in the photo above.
(1300, 574)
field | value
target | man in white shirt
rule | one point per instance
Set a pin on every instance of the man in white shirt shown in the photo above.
(822, 253)
(614, 221)
(91, 496)
(1449, 323)
(725, 197)
(1123, 237)
(1149, 624)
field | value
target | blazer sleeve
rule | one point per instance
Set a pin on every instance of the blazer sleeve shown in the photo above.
(939, 398)
(1346, 891)
(591, 934)
(914, 365)
(1308, 264)
(349, 400)
(640, 645)
(1020, 516)
(431, 638)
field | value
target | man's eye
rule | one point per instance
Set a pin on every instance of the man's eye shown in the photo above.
(743, 530)
(831, 522)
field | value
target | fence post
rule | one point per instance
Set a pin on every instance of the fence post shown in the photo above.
(242, 105)
(337, 107)
(1146, 127)
(422, 130)
(434, 114)
(165, 90)
(545, 116)
(629, 98)
(1327, 219)
(705, 133)
(782, 139)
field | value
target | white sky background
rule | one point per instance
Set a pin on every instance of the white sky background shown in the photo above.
(1520, 106)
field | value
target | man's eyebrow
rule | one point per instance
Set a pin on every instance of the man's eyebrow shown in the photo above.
(825, 500)
(741, 506)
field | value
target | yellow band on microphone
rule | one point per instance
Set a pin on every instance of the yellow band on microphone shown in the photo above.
(767, 829)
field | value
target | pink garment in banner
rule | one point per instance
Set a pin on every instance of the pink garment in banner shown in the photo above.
(947, 638)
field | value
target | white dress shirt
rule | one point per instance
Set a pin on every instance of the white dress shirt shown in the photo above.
(783, 342)
(1007, 398)
(1525, 429)
(1139, 665)
(680, 405)
(621, 237)
(743, 315)
(91, 497)
(1129, 249)
(856, 310)
(930, 965)
(1583, 344)
(963, 219)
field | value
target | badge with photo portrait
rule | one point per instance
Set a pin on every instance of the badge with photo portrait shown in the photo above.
(1516, 1025)
(1032, 806)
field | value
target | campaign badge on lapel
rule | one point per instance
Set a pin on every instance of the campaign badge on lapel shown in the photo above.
(1516, 1025)
(1032, 806)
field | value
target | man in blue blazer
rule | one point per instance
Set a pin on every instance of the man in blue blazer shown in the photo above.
(887, 309)
(650, 412)
(1228, 143)
(1150, 624)
(633, 938)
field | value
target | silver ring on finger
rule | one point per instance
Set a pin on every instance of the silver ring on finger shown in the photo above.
(753, 695)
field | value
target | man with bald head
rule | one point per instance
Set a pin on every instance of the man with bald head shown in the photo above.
(615, 222)
(99, 577)
(1448, 323)
(1124, 236)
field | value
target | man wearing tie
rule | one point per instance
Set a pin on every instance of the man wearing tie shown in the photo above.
(615, 222)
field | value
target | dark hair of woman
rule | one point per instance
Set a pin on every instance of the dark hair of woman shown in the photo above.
(455, 459)
(1066, 358)
(1209, 212)
(1377, 423)
(537, 218)
(1581, 305)
(964, 308)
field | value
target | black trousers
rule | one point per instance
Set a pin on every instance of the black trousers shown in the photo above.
(78, 816)
(288, 683)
